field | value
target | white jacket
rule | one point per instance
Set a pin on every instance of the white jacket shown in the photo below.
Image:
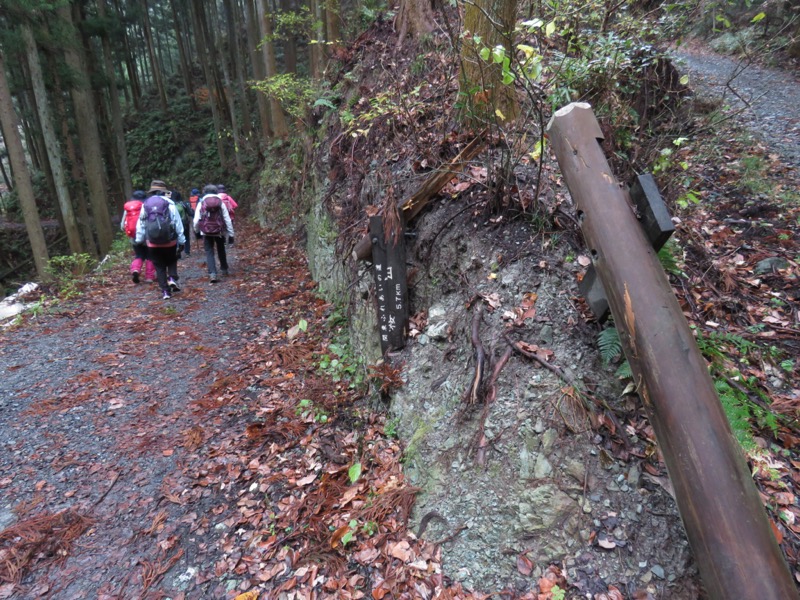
(225, 215)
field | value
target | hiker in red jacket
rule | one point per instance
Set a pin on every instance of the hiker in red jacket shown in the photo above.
(130, 217)
(230, 203)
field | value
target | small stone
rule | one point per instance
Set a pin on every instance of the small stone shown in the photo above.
(658, 571)
(548, 439)
(542, 468)
(634, 475)
(539, 426)
(770, 265)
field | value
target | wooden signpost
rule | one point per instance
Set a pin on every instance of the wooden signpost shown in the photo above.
(391, 288)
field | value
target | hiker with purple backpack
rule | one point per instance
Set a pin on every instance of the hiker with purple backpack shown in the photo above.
(160, 227)
(213, 222)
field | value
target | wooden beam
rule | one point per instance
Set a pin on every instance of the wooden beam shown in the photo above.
(725, 521)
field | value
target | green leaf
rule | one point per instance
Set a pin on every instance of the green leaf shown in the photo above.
(303, 325)
(498, 54)
(684, 80)
(484, 53)
(538, 147)
(324, 102)
(354, 472)
(758, 17)
(550, 29)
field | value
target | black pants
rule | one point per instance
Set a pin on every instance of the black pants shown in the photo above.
(187, 229)
(166, 263)
(209, 242)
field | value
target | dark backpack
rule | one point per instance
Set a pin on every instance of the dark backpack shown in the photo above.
(158, 227)
(182, 212)
(211, 220)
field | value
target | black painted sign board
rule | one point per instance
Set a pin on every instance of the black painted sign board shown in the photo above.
(391, 288)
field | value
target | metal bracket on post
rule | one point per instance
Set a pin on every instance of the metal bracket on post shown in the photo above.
(653, 217)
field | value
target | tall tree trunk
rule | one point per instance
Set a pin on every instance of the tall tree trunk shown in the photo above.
(77, 171)
(22, 176)
(290, 41)
(200, 37)
(333, 23)
(154, 63)
(258, 70)
(130, 63)
(279, 127)
(481, 81)
(51, 142)
(186, 71)
(89, 139)
(316, 49)
(236, 39)
(414, 18)
(214, 47)
(116, 110)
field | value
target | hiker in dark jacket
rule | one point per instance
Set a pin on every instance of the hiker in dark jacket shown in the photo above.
(186, 213)
(213, 223)
(163, 253)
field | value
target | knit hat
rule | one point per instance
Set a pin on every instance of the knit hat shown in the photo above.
(195, 191)
(220, 187)
(158, 186)
(139, 195)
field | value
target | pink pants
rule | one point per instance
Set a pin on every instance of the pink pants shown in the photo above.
(150, 269)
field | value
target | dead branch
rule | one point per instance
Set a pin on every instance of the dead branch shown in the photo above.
(475, 391)
(429, 188)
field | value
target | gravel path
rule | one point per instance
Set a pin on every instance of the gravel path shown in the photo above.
(765, 100)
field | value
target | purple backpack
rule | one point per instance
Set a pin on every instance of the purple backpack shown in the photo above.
(158, 227)
(211, 222)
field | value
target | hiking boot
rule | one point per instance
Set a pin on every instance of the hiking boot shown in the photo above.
(173, 286)
(212, 277)
(224, 272)
(149, 280)
(167, 295)
(135, 276)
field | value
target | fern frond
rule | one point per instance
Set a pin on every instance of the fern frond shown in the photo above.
(668, 258)
(624, 371)
(609, 344)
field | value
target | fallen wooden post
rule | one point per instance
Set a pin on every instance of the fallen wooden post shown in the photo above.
(429, 188)
(728, 529)
(653, 217)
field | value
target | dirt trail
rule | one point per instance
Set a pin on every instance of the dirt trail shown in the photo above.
(109, 411)
(766, 101)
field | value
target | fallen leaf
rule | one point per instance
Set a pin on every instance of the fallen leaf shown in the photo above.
(524, 565)
(306, 480)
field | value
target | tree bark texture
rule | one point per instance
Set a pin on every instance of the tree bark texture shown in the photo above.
(22, 177)
(481, 81)
(116, 110)
(258, 70)
(279, 126)
(51, 141)
(89, 140)
(155, 65)
(414, 18)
